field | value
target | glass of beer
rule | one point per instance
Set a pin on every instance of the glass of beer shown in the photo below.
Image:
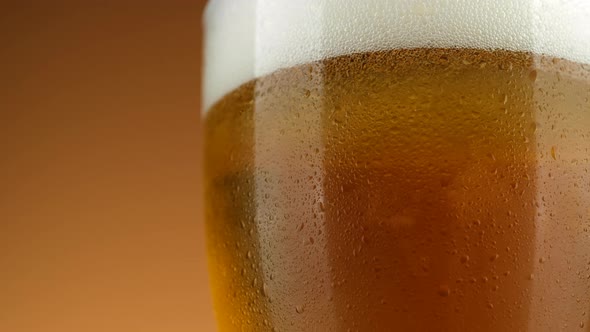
(398, 165)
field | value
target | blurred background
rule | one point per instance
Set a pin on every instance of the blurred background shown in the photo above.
(100, 223)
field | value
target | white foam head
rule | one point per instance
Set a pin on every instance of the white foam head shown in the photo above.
(245, 39)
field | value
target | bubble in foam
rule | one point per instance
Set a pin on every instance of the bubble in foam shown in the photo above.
(245, 39)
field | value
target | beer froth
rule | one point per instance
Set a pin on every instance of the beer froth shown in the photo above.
(247, 39)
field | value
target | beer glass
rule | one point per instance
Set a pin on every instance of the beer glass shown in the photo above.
(398, 165)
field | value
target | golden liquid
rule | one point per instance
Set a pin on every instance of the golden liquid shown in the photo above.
(406, 190)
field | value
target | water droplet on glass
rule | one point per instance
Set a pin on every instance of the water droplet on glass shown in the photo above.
(444, 291)
(264, 290)
(533, 75)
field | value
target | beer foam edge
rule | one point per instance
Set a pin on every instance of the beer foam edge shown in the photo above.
(245, 39)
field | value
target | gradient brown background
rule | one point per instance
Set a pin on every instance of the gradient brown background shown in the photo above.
(100, 226)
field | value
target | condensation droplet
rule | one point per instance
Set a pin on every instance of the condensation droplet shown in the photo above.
(264, 290)
(444, 291)
(533, 75)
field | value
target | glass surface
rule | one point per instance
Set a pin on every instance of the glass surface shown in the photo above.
(398, 165)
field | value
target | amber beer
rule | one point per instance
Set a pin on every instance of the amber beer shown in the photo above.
(408, 189)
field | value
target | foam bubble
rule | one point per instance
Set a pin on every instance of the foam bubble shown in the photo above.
(245, 39)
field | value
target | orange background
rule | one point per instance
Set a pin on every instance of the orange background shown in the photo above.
(100, 224)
